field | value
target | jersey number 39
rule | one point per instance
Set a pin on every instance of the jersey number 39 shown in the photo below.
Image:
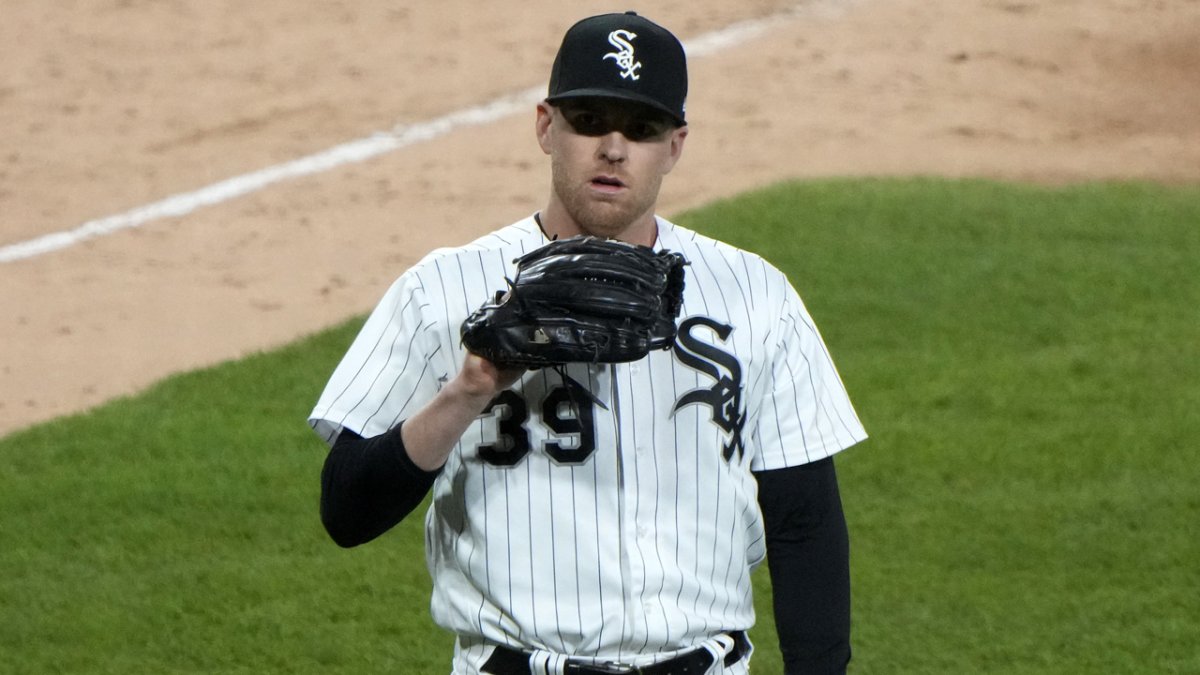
(569, 417)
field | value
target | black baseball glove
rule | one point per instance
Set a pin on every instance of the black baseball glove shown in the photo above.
(582, 299)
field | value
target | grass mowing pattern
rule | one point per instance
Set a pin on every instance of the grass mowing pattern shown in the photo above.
(1024, 358)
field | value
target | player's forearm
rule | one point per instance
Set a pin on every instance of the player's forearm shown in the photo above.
(431, 433)
(370, 484)
(808, 555)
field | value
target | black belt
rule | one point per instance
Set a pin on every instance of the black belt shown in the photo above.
(509, 661)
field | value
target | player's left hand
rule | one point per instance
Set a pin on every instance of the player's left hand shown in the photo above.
(581, 300)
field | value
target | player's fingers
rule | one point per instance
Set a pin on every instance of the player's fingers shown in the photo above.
(481, 374)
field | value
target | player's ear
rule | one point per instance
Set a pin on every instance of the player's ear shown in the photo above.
(678, 136)
(545, 116)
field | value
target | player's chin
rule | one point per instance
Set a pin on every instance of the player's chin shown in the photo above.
(605, 214)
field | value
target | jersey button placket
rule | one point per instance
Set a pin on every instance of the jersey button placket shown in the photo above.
(633, 532)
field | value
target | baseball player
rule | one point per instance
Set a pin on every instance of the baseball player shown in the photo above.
(604, 518)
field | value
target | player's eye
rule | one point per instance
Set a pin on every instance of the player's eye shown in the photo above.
(588, 123)
(637, 127)
(643, 129)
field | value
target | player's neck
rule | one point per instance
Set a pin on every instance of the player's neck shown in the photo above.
(556, 223)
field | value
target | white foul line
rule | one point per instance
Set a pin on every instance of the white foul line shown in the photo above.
(350, 152)
(346, 153)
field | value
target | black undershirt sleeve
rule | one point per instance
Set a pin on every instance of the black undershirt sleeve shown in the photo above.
(368, 485)
(808, 556)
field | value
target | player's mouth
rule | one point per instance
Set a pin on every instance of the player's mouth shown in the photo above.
(607, 184)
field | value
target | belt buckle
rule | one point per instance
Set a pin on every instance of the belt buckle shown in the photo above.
(615, 668)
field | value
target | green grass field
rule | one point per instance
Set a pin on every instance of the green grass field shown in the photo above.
(1025, 359)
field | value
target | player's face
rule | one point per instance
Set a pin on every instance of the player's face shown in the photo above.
(607, 161)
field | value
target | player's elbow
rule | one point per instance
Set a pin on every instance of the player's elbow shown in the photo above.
(341, 539)
(351, 518)
(367, 487)
(343, 536)
(341, 514)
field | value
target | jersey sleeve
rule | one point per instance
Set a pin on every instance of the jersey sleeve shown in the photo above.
(806, 414)
(392, 368)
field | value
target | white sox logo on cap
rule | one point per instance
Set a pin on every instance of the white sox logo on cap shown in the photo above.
(598, 49)
(624, 58)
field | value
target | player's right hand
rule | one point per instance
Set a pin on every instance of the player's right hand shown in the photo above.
(480, 376)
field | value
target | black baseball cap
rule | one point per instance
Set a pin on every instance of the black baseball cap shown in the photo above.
(623, 56)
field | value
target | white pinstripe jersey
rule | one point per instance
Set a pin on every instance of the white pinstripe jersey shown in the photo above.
(624, 522)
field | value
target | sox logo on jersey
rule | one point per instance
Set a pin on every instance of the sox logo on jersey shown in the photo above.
(612, 511)
(724, 398)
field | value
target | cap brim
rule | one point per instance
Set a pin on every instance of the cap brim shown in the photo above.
(617, 94)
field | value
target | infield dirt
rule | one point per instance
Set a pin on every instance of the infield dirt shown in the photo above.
(106, 106)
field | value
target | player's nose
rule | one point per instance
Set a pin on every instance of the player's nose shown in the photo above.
(614, 147)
